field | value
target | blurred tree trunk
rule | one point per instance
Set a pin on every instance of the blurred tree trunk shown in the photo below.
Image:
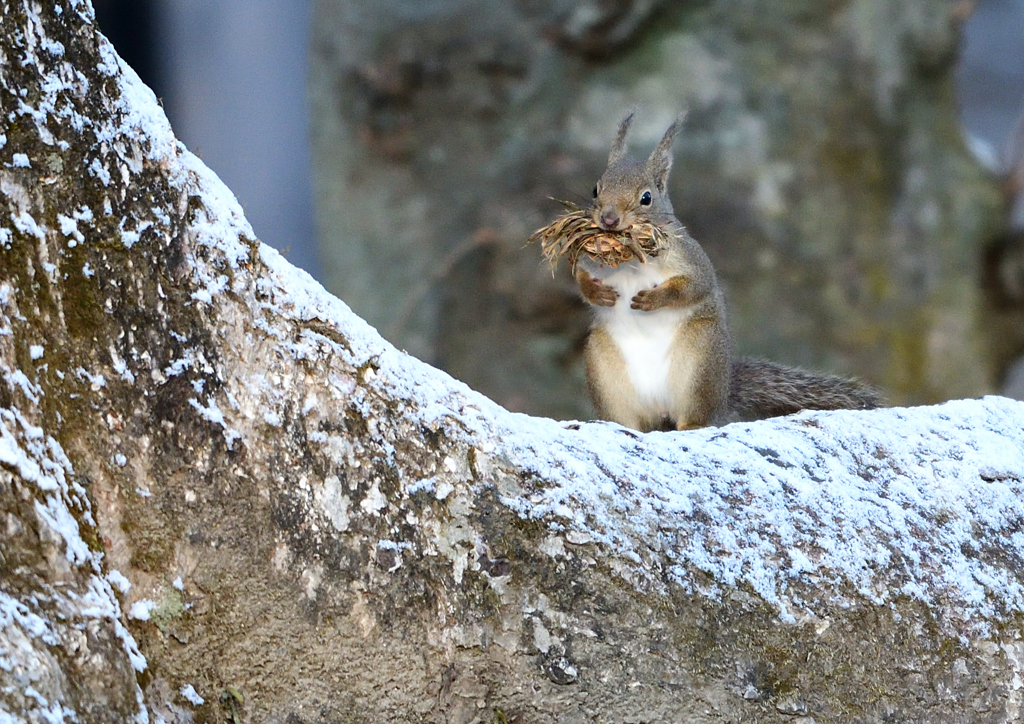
(821, 166)
(318, 528)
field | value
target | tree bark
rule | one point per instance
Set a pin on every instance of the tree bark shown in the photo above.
(224, 496)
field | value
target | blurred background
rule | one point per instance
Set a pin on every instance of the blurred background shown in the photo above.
(851, 166)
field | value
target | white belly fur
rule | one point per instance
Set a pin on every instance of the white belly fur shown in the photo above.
(644, 338)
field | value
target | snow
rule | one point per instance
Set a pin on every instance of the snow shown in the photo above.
(866, 498)
(97, 169)
(141, 610)
(119, 366)
(118, 581)
(131, 237)
(69, 227)
(61, 506)
(19, 379)
(190, 694)
(888, 503)
(212, 413)
(14, 613)
(29, 627)
(24, 223)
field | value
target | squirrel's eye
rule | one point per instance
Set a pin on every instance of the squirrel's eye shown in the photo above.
(595, 192)
(645, 200)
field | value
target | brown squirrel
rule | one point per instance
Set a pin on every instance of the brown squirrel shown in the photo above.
(659, 352)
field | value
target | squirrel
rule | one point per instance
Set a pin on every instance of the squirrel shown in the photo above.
(659, 354)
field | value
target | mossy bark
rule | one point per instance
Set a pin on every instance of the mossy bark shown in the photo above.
(336, 533)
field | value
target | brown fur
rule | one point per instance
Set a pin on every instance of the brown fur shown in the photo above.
(699, 350)
(675, 292)
(594, 291)
(703, 386)
(704, 341)
(759, 389)
(608, 383)
(615, 399)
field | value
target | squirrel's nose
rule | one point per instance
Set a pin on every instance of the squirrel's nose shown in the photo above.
(610, 218)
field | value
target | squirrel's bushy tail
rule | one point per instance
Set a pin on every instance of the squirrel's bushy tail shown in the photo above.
(759, 389)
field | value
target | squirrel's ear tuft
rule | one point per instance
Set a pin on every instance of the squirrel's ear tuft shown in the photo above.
(619, 146)
(660, 162)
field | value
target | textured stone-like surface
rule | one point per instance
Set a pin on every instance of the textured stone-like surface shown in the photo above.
(338, 532)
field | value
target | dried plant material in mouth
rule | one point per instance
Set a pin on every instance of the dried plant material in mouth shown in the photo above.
(575, 233)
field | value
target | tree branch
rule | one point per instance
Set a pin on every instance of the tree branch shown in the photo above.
(336, 531)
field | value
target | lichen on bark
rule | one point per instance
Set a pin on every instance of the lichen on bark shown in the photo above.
(207, 457)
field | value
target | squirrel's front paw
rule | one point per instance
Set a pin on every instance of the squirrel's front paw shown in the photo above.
(647, 300)
(604, 296)
(596, 292)
(674, 292)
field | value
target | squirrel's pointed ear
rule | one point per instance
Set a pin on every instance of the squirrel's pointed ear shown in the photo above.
(660, 162)
(619, 146)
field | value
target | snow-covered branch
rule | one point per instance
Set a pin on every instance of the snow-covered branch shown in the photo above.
(213, 474)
